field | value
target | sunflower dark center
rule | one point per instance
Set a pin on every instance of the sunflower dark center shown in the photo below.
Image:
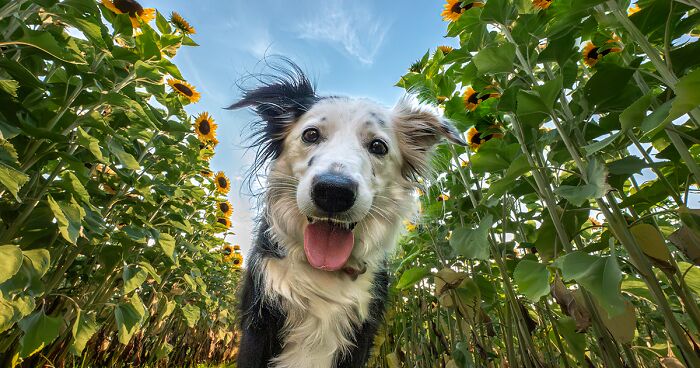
(131, 7)
(204, 127)
(236, 261)
(222, 182)
(473, 98)
(221, 221)
(184, 89)
(593, 54)
(476, 139)
(457, 8)
(223, 207)
(227, 251)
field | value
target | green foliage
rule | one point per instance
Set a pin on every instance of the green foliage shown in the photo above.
(107, 219)
(553, 245)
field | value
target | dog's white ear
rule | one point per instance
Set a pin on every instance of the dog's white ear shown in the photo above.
(419, 129)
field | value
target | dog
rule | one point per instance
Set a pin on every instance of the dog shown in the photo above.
(340, 178)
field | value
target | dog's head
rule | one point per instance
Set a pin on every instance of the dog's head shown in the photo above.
(341, 170)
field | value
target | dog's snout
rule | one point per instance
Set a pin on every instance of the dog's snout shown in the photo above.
(333, 193)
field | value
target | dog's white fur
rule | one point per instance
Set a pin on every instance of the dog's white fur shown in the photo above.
(324, 307)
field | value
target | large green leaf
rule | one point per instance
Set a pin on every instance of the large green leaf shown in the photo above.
(601, 276)
(39, 331)
(10, 261)
(687, 96)
(83, 329)
(68, 52)
(532, 279)
(191, 313)
(128, 316)
(495, 59)
(133, 277)
(473, 243)
(412, 276)
(124, 157)
(167, 244)
(597, 186)
(69, 217)
(517, 169)
(633, 116)
(12, 179)
(89, 142)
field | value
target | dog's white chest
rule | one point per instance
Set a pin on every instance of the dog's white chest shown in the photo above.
(322, 309)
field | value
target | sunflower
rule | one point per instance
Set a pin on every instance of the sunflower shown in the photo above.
(206, 173)
(542, 4)
(472, 98)
(227, 251)
(592, 54)
(443, 197)
(409, 225)
(222, 183)
(225, 208)
(441, 99)
(475, 138)
(181, 24)
(237, 260)
(236, 247)
(633, 9)
(205, 128)
(445, 49)
(184, 89)
(224, 221)
(454, 9)
(416, 67)
(133, 9)
(594, 222)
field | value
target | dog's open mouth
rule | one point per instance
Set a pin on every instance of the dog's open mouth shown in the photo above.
(328, 244)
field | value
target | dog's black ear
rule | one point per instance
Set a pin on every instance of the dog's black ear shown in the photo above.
(279, 99)
(419, 129)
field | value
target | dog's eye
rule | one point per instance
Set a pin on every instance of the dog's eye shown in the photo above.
(310, 135)
(378, 147)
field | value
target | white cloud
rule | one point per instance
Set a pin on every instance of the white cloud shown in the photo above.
(347, 25)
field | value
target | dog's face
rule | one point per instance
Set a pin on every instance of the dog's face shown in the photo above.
(340, 177)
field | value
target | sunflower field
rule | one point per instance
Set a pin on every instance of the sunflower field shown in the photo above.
(112, 225)
(568, 233)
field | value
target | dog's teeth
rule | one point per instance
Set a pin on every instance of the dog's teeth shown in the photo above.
(352, 226)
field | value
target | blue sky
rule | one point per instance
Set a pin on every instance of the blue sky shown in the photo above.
(357, 48)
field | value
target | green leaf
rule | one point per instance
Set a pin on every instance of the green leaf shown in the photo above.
(68, 51)
(124, 157)
(83, 329)
(69, 217)
(12, 179)
(633, 116)
(9, 86)
(607, 84)
(597, 185)
(601, 276)
(654, 122)
(90, 142)
(473, 243)
(626, 166)
(10, 261)
(532, 279)
(39, 331)
(191, 313)
(687, 96)
(411, 276)
(76, 187)
(7, 315)
(691, 276)
(167, 244)
(517, 169)
(495, 59)
(499, 11)
(40, 260)
(575, 341)
(594, 147)
(133, 278)
(128, 317)
(152, 271)
(162, 23)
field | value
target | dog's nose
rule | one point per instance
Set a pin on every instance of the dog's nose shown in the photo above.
(333, 193)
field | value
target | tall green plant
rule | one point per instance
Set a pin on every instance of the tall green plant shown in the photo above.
(563, 235)
(110, 220)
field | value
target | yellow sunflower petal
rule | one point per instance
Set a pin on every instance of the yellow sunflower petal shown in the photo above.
(181, 24)
(185, 90)
(223, 185)
(225, 208)
(205, 128)
(471, 99)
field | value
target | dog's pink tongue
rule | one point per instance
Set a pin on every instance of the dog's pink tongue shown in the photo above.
(327, 247)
